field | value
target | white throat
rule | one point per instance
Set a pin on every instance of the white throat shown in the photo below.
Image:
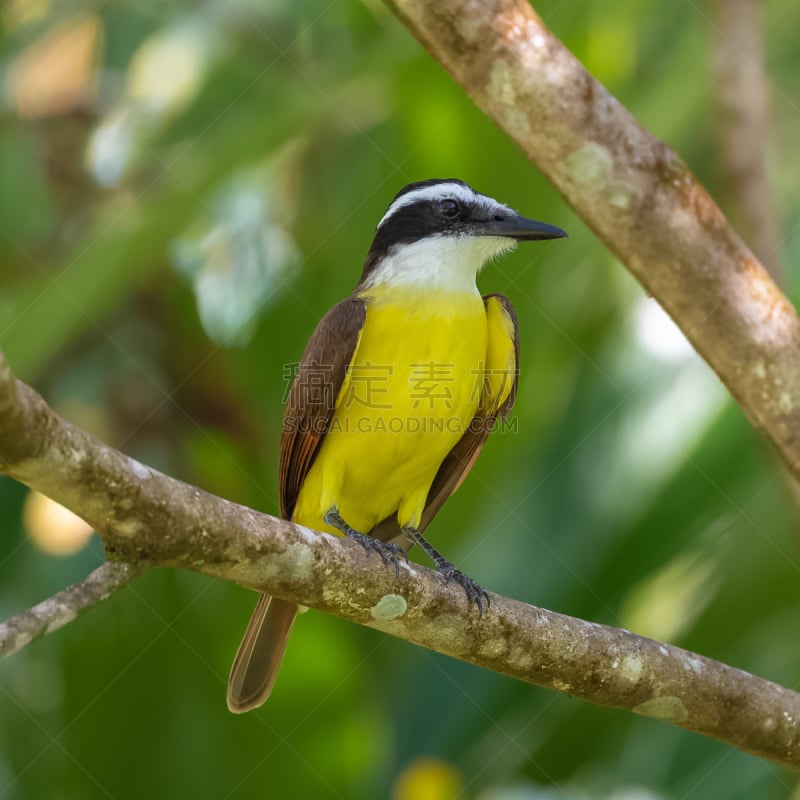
(443, 263)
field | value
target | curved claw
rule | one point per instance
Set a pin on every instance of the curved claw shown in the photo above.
(475, 592)
(386, 550)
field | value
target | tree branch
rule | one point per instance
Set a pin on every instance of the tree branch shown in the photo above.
(738, 56)
(63, 607)
(633, 191)
(644, 203)
(150, 519)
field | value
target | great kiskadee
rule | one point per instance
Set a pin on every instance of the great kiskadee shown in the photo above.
(395, 395)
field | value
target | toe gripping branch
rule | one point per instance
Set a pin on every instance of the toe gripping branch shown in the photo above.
(475, 592)
(386, 550)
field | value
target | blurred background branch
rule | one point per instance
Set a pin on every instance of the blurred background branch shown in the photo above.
(737, 53)
(63, 607)
(131, 507)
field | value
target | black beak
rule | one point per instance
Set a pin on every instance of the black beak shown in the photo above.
(513, 226)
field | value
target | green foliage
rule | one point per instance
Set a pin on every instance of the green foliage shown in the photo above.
(170, 235)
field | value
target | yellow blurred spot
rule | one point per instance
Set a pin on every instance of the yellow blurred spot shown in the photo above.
(427, 779)
(178, 53)
(53, 528)
(58, 72)
(668, 601)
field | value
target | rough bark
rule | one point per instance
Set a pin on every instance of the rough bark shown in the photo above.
(149, 519)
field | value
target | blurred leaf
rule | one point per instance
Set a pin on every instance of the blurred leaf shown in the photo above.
(129, 240)
(665, 604)
(237, 256)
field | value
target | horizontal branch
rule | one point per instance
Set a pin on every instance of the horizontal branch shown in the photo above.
(633, 191)
(150, 519)
(64, 606)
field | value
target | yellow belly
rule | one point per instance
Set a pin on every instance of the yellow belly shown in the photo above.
(413, 388)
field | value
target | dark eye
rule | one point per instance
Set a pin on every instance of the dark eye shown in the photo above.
(448, 208)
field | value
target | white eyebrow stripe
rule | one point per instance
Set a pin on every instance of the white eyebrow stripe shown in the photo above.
(438, 191)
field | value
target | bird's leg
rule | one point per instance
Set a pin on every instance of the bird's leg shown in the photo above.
(386, 550)
(475, 592)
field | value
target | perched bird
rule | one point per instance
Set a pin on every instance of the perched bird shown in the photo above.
(395, 395)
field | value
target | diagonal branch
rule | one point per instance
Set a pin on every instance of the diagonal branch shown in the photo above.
(64, 606)
(149, 519)
(633, 191)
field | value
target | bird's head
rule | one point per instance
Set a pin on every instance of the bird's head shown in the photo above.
(439, 233)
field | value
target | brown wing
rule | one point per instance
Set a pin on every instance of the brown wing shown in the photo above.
(462, 457)
(312, 398)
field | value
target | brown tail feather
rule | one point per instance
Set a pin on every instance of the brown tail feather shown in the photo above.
(259, 657)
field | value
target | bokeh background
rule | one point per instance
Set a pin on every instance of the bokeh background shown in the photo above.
(185, 189)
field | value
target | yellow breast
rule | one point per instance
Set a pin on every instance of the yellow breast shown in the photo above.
(412, 389)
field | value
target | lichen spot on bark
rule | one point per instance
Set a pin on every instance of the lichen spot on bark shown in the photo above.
(493, 647)
(300, 560)
(128, 528)
(390, 606)
(502, 85)
(668, 707)
(589, 167)
(471, 28)
(631, 668)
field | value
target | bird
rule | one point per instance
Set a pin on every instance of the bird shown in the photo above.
(395, 395)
